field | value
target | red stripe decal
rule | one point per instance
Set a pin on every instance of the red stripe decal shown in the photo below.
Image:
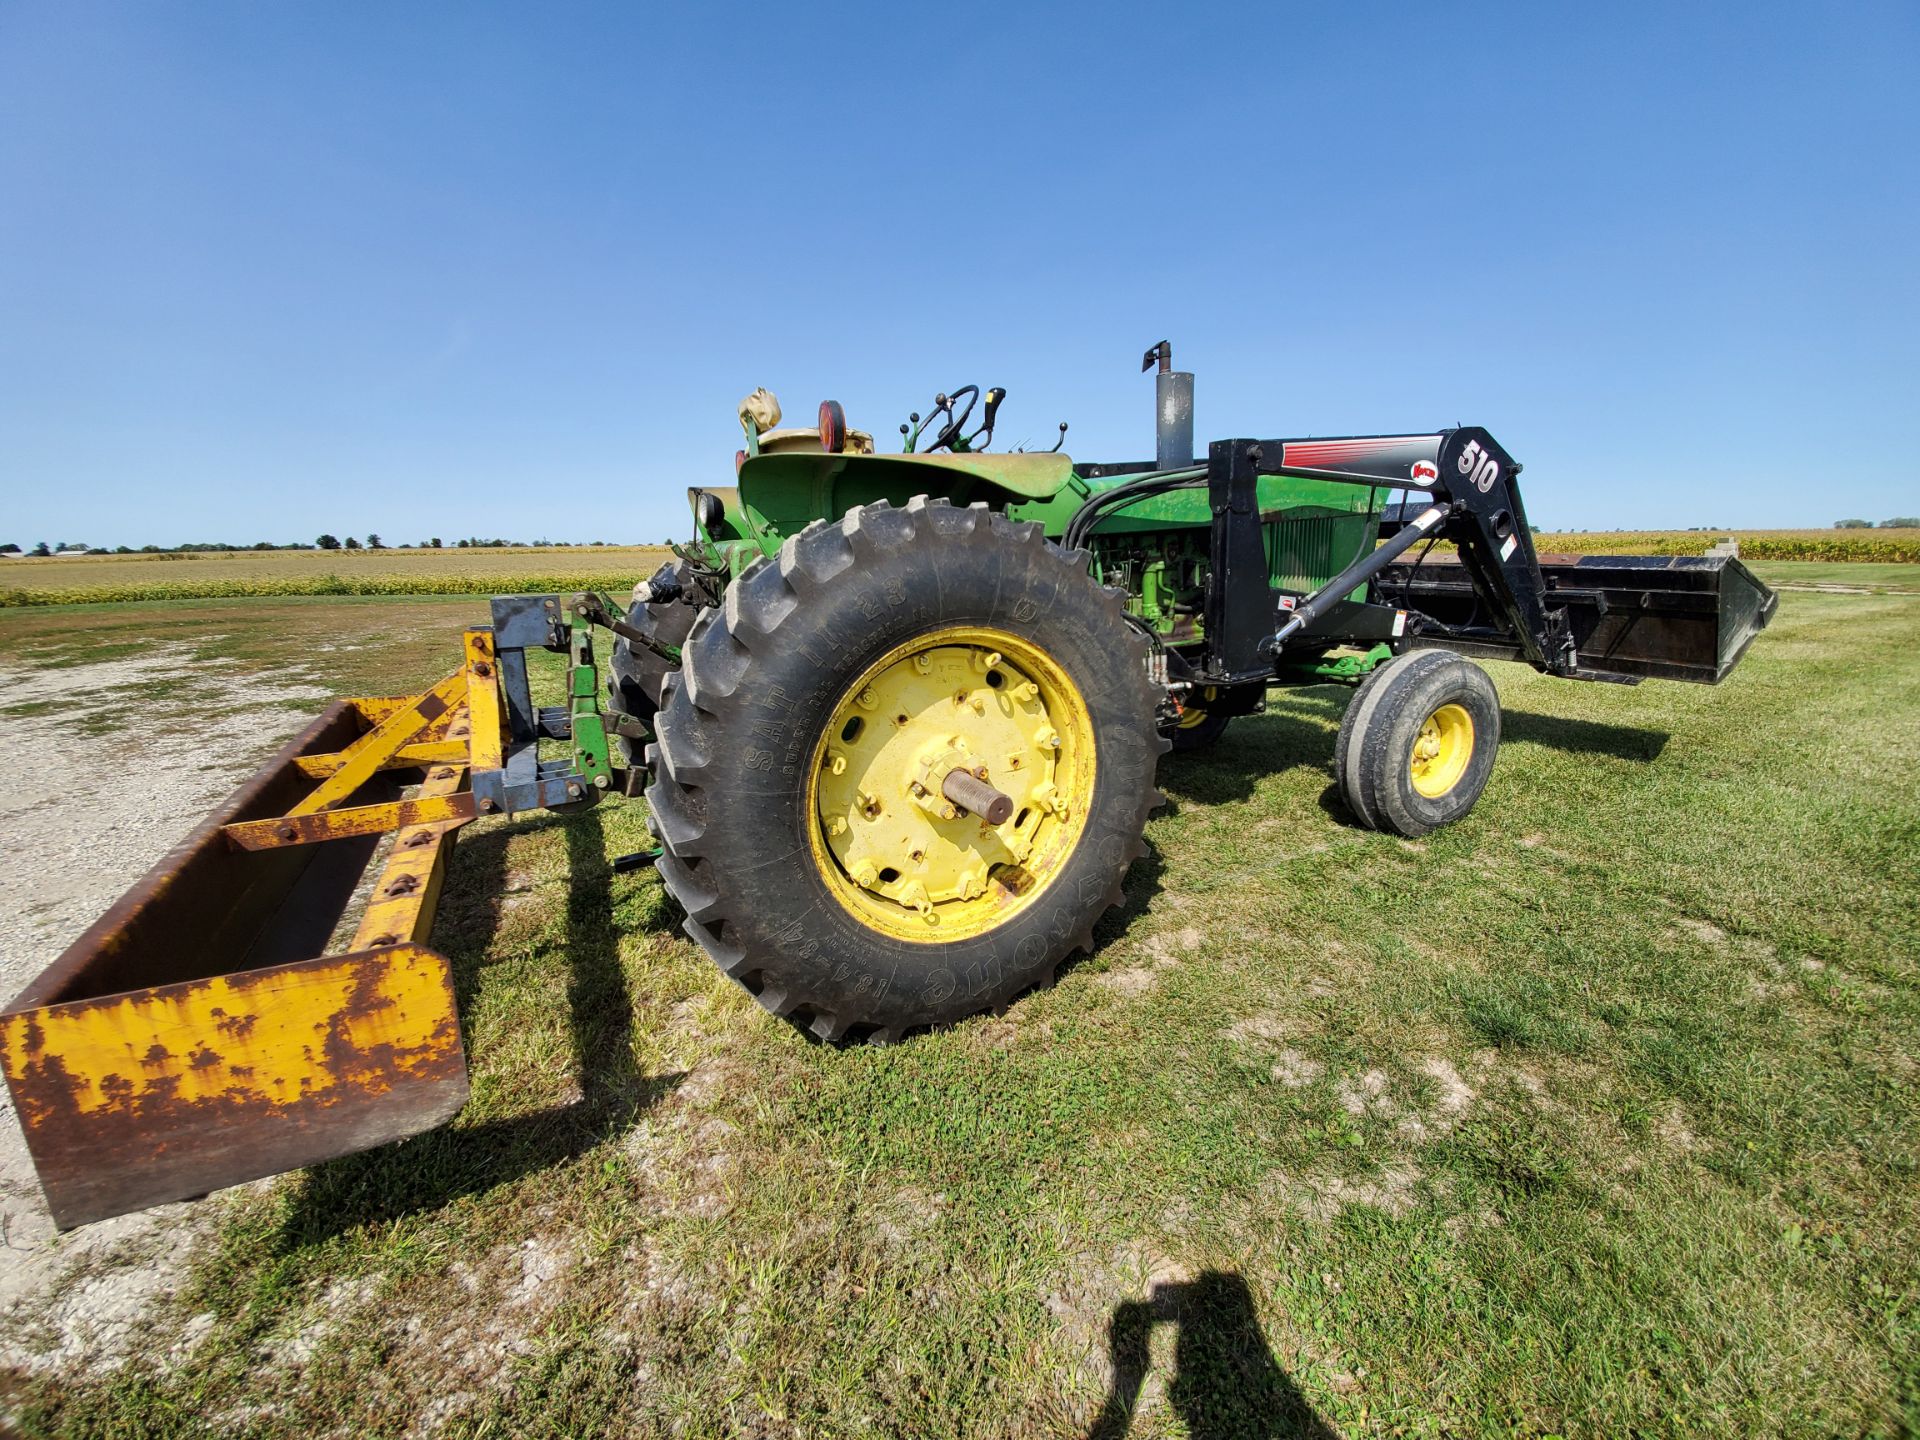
(1335, 452)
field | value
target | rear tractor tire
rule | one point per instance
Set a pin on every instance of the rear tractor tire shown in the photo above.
(903, 768)
(1418, 742)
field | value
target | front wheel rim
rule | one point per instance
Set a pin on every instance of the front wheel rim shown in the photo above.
(1441, 751)
(892, 849)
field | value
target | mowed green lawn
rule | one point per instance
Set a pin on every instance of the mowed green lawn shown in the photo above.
(1595, 1114)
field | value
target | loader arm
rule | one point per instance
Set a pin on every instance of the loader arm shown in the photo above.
(1604, 619)
(1473, 482)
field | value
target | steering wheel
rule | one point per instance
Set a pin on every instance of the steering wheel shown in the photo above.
(956, 422)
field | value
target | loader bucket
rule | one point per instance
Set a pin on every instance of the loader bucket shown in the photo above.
(198, 1035)
(1633, 617)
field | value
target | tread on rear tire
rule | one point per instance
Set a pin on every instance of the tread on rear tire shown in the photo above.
(761, 679)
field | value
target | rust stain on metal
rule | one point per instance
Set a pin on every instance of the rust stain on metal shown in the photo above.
(81, 1075)
(451, 747)
(428, 809)
(363, 758)
(129, 1096)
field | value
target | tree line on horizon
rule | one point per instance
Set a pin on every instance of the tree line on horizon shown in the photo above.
(322, 542)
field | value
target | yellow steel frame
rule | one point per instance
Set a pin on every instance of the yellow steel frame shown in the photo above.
(450, 730)
(201, 1080)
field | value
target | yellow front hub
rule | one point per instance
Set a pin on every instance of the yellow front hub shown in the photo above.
(1195, 713)
(893, 849)
(1441, 751)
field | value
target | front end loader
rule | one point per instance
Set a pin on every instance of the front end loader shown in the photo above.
(898, 752)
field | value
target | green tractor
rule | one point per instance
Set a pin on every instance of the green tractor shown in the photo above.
(902, 749)
(899, 752)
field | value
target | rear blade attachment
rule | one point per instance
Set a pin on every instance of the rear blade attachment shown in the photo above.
(1633, 617)
(198, 1035)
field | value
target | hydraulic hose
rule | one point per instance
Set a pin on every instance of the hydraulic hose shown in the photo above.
(1099, 506)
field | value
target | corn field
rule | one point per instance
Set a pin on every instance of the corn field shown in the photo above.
(1884, 546)
(226, 575)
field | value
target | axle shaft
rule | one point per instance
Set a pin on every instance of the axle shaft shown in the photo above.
(970, 792)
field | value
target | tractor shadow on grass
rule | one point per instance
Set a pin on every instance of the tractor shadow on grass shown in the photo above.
(1297, 729)
(432, 1170)
(1226, 1381)
(1300, 726)
(1581, 737)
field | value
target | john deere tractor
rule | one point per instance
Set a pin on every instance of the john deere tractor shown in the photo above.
(902, 748)
(896, 718)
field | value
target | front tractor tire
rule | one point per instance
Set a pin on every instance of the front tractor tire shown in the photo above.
(1198, 726)
(827, 751)
(635, 674)
(1418, 742)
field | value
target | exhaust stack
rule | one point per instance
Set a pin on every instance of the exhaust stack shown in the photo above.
(1172, 411)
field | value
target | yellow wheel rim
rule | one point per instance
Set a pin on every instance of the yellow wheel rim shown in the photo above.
(1441, 751)
(892, 848)
(1195, 715)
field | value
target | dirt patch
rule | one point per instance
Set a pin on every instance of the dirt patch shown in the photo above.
(1134, 980)
(88, 1301)
(1171, 949)
(1394, 1190)
(1455, 1093)
(1367, 1095)
(107, 766)
(1295, 1070)
(1164, 952)
(122, 761)
(1703, 930)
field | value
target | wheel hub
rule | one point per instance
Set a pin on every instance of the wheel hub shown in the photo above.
(1441, 751)
(1194, 714)
(917, 757)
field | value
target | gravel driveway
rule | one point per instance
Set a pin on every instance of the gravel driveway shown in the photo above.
(103, 767)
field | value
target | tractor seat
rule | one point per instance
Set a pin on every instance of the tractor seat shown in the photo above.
(796, 439)
(760, 412)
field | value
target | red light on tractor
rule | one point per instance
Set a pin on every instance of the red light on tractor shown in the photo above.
(833, 427)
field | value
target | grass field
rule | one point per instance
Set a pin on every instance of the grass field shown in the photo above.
(1882, 576)
(84, 579)
(1593, 1115)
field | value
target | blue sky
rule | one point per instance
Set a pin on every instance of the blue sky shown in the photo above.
(267, 270)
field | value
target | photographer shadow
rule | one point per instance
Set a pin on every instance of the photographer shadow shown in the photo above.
(1226, 1381)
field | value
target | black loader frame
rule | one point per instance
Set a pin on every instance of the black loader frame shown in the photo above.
(1602, 618)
